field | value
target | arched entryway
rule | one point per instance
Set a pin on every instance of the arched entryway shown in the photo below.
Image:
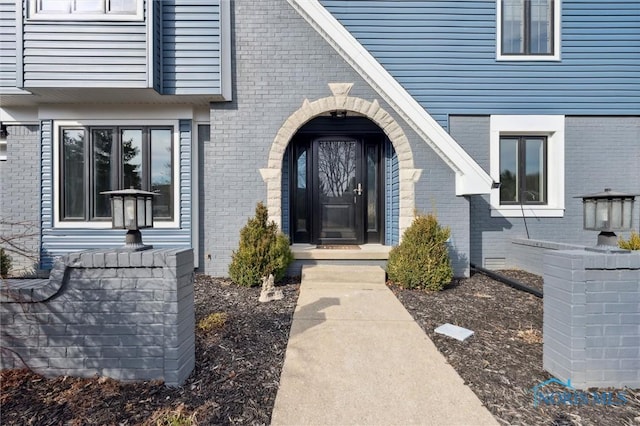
(324, 108)
(340, 183)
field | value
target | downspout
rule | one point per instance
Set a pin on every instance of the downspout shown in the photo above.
(512, 283)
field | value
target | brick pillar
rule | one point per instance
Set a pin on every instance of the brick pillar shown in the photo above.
(592, 318)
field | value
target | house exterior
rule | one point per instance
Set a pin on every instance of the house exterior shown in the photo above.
(344, 117)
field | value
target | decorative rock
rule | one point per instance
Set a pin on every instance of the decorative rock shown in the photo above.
(269, 291)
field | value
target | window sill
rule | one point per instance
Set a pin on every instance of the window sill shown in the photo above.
(533, 58)
(107, 225)
(529, 211)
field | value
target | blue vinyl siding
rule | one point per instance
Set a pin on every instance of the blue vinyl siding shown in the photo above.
(174, 50)
(392, 195)
(191, 47)
(57, 242)
(85, 54)
(7, 44)
(443, 53)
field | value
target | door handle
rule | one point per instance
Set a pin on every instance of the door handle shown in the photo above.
(358, 189)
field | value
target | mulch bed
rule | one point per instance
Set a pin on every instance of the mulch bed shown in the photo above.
(502, 361)
(238, 365)
(234, 381)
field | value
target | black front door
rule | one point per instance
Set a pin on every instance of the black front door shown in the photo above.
(338, 189)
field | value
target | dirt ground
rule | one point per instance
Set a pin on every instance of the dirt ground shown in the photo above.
(240, 355)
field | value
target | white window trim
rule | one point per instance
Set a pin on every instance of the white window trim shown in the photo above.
(551, 126)
(557, 35)
(58, 223)
(35, 14)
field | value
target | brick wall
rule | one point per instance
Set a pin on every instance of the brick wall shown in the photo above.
(125, 315)
(529, 255)
(600, 152)
(592, 318)
(279, 62)
(20, 194)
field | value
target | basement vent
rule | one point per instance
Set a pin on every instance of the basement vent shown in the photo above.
(495, 263)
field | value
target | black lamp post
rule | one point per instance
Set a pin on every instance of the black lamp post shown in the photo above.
(132, 209)
(607, 212)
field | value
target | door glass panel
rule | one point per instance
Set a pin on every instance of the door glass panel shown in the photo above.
(104, 178)
(73, 145)
(300, 215)
(336, 184)
(132, 158)
(161, 173)
(372, 188)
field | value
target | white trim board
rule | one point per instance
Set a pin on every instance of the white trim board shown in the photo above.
(470, 177)
(551, 126)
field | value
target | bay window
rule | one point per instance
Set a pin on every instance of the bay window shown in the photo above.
(103, 158)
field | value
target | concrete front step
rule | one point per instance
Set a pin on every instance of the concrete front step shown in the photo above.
(343, 274)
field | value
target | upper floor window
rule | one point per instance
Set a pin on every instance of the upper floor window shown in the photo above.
(86, 9)
(103, 158)
(528, 29)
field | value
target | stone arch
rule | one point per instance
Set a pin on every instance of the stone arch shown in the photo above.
(408, 175)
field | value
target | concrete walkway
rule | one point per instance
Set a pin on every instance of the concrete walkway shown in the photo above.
(356, 357)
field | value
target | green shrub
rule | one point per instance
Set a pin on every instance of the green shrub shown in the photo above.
(633, 243)
(422, 258)
(263, 250)
(5, 264)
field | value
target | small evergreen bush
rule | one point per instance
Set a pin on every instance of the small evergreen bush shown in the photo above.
(421, 260)
(633, 243)
(5, 264)
(263, 250)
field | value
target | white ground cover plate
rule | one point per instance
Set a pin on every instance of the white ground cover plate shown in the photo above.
(458, 333)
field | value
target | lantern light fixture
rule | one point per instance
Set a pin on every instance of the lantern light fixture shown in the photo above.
(608, 211)
(132, 209)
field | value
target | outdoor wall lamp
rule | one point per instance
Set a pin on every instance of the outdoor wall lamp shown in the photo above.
(339, 114)
(607, 212)
(132, 209)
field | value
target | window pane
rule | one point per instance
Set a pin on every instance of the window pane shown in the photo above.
(120, 6)
(60, 6)
(541, 27)
(509, 170)
(88, 6)
(534, 171)
(103, 173)
(73, 143)
(161, 173)
(513, 26)
(132, 158)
